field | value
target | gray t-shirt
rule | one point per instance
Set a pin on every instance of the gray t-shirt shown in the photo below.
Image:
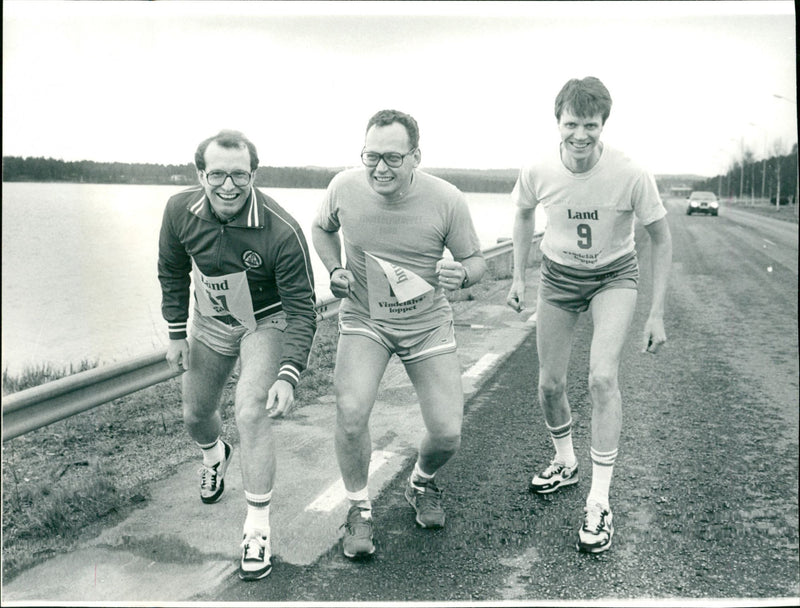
(407, 237)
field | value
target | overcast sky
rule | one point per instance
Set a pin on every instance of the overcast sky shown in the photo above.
(146, 81)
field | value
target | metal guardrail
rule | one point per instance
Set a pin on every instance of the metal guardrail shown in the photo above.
(39, 406)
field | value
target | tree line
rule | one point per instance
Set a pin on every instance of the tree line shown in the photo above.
(38, 169)
(746, 176)
(767, 179)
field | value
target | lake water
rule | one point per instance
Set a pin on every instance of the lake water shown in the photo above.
(79, 266)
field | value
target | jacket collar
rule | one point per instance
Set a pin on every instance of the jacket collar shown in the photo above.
(251, 215)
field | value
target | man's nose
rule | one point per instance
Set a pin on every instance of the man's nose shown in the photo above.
(228, 183)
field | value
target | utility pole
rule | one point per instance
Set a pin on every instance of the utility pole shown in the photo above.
(764, 160)
(741, 172)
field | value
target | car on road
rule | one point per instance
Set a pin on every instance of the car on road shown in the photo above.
(702, 202)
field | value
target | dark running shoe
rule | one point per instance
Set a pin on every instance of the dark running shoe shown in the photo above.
(357, 540)
(212, 482)
(553, 477)
(427, 502)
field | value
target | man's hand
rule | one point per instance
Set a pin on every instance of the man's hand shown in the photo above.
(178, 355)
(340, 282)
(654, 335)
(450, 274)
(280, 398)
(516, 296)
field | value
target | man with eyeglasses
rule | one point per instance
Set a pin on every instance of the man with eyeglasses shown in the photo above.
(396, 223)
(253, 301)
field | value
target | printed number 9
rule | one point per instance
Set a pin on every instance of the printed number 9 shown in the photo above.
(585, 234)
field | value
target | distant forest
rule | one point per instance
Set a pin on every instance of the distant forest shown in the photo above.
(18, 169)
(749, 177)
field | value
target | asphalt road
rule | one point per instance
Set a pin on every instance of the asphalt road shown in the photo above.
(705, 491)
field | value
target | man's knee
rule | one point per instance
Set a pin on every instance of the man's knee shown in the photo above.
(550, 388)
(196, 410)
(251, 403)
(603, 382)
(352, 414)
(447, 441)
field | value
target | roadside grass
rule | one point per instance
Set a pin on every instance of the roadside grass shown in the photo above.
(65, 481)
(786, 213)
(40, 374)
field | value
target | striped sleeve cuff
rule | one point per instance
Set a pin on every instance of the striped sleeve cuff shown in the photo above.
(289, 373)
(177, 331)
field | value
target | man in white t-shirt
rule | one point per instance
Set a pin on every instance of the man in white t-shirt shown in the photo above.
(396, 223)
(591, 194)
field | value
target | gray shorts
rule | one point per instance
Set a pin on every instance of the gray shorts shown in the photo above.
(410, 345)
(572, 289)
(226, 339)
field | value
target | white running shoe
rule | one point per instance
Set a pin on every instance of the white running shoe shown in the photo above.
(556, 475)
(597, 529)
(212, 482)
(256, 556)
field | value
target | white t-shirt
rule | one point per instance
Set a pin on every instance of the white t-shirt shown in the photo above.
(404, 239)
(589, 215)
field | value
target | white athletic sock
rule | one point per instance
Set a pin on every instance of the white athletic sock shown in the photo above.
(257, 512)
(361, 500)
(562, 440)
(213, 452)
(602, 470)
(420, 477)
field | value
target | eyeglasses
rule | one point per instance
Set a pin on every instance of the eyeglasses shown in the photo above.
(392, 159)
(239, 178)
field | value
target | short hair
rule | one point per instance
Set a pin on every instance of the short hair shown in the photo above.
(226, 138)
(384, 118)
(584, 98)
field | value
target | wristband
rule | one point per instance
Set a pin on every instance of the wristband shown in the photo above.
(466, 277)
(335, 268)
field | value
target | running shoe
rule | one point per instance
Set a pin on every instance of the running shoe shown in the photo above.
(212, 482)
(256, 556)
(357, 540)
(427, 502)
(557, 474)
(597, 530)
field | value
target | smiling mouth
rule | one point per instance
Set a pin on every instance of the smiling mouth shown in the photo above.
(228, 197)
(383, 178)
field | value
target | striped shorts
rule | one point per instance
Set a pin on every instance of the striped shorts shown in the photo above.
(410, 345)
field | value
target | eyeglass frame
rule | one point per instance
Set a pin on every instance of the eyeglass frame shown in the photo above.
(382, 157)
(227, 175)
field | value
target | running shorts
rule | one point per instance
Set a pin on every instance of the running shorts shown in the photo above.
(225, 339)
(410, 345)
(572, 289)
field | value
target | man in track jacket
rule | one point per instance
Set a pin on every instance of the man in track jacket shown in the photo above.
(253, 285)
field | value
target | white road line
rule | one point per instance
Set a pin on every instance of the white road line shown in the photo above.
(335, 494)
(481, 365)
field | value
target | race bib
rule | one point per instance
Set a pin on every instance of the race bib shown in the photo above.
(227, 294)
(395, 292)
(580, 235)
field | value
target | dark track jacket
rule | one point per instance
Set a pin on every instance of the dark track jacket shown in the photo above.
(265, 242)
